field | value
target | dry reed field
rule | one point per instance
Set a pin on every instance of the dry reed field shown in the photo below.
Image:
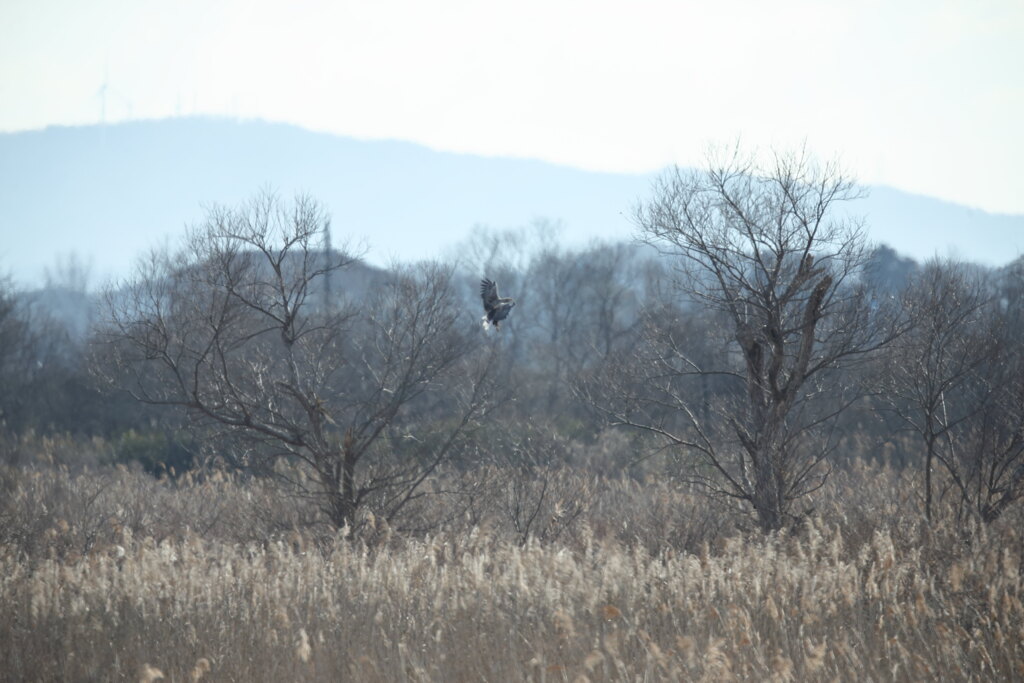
(114, 575)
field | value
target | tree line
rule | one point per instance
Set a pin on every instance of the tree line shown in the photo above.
(742, 341)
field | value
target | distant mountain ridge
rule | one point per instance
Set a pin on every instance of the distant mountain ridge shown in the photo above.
(111, 192)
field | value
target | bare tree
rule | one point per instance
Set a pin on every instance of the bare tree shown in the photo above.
(554, 281)
(954, 380)
(234, 330)
(987, 465)
(610, 292)
(585, 306)
(995, 463)
(930, 379)
(762, 251)
(17, 358)
(69, 272)
(36, 361)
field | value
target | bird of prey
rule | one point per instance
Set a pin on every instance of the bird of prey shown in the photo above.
(497, 308)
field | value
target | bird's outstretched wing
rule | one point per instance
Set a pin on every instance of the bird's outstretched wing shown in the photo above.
(489, 293)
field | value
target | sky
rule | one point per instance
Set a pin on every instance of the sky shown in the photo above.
(926, 97)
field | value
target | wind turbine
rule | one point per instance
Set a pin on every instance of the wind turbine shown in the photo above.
(102, 94)
(104, 91)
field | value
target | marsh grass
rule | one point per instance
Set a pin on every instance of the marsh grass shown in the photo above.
(113, 575)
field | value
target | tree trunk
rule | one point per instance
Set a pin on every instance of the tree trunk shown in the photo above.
(929, 461)
(767, 498)
(343, 500)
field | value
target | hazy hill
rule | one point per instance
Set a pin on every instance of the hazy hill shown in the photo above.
(111, 192)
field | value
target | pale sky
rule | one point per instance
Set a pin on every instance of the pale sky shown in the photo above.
(926, 96)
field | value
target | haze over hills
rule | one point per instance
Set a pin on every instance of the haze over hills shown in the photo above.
(108, 193)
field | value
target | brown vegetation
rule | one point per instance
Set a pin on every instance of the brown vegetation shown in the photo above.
(110, 574)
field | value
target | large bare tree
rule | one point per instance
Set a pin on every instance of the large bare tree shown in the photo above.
(363, 399)
(763, 252)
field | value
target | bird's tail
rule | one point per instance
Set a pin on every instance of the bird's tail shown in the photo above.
(486, 323)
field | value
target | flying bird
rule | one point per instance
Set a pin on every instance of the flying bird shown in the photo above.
(497, 308)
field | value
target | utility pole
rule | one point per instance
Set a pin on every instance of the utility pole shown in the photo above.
(328, 294)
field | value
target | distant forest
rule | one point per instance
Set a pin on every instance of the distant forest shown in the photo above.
(749, 343)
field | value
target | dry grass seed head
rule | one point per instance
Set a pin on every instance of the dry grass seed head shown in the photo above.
(815, 659)
(201, 668)
(717, 665)
(593, 660)
(782, 668)
(303, 650)
(150, 674)
(610, 613)
(564, 625)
